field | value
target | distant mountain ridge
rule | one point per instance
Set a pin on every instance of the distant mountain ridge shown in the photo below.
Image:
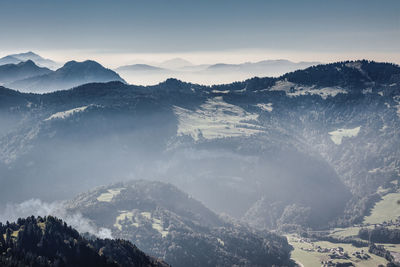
(40, 61)
(203, 74)
(139, 67)
(22, 70)
(70, 75)
(175, 63)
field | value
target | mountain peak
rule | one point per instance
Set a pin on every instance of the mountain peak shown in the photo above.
(85, 63)
(27, 63)
(29, 53)
(40, 61)
(175, 63)
(72, 74)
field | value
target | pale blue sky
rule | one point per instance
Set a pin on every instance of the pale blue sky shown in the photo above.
(319, 27)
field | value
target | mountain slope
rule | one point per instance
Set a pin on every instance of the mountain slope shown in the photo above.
(13, 72)
(165, 222)
(70, 75)
(302, 149)
(50, 242)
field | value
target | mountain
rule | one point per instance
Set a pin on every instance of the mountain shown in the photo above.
(208, 74)
(50, 242)
(175, 63)
(307, 149)
(18, 58)
(9, 60)
(139, 67)
(70, 75)
(145, 74)
(261, 68)
(22, 70)
(165, 222)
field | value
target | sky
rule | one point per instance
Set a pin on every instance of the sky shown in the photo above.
(204, 31)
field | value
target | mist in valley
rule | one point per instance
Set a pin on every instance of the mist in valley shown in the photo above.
(199, 133)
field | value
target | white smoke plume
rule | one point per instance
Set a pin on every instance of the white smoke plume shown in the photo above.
(36, 207)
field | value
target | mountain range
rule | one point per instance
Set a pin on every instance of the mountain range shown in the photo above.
(150, 73)
(27, 76)
(302, 149)
(206, 73)
(308, 149)
(21, 57)
(22, 70)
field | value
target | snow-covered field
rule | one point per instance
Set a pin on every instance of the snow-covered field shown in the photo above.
(266, 107)
(338, 135)
(293, 90)
(139, 219)
(67, 113)
(216, 119)
(107, 197)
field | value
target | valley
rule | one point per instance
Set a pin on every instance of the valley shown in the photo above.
(318, 251)
(204, 173)
(203, 133)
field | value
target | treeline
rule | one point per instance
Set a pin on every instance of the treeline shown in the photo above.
(50, 242)
(356, 209)
(382, 252)
(345, 74)
(380, 235)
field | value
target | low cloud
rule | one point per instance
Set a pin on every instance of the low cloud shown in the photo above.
(36, 207)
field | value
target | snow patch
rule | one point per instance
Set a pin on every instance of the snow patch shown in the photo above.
(123, 217)
(107, 197)
(374, 170)
(241, 90)
(136, 219)
(339, 134)
(220, 92)
(67, 113)
(355, 65)
(397, 100)
(146, 214)
(216, 119)
(266, 107)
(156, 223)
(294, 90)
(367, 91)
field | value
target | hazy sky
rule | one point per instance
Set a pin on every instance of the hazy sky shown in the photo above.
(203, 30)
